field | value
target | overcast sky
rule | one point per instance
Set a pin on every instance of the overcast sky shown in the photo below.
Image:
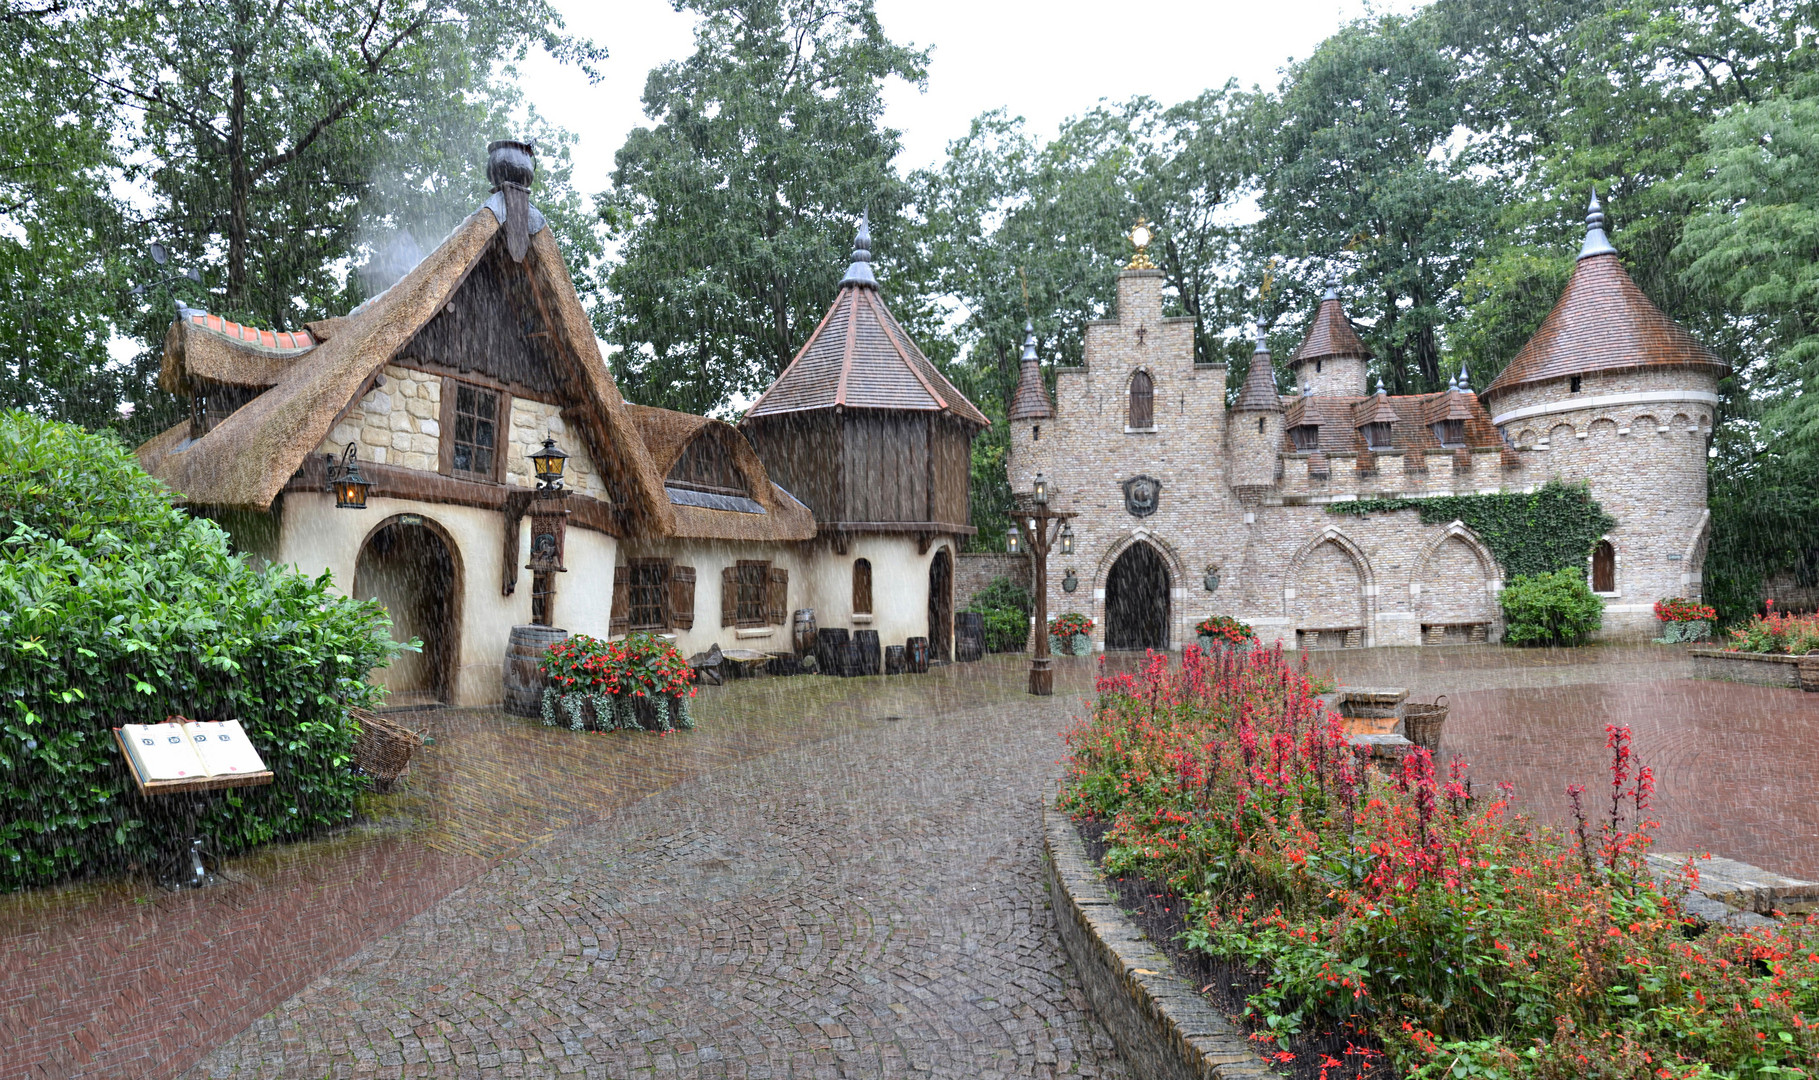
(1044, 60)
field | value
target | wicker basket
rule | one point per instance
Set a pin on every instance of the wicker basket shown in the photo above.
(1421, 723)
(383, 748)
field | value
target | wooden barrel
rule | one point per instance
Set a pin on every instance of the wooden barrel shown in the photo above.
(917, 655)
(802, 631)
(523, 678)
(894, 663)
(830, 649)
(870, 656)
(969, 636)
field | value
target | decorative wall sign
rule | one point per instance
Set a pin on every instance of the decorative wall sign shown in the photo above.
(1070, 582)
(1141, 494)
(549, 533)
(1212, 579)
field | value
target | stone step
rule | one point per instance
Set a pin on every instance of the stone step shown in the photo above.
(1741, 885)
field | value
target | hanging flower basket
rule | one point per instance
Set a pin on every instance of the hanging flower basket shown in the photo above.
(639, 683)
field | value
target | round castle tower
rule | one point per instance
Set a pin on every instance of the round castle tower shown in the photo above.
(1254, 436)
(1611, 391)
(1331, 360)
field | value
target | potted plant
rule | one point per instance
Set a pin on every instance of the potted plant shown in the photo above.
(1225, 632)
(640, 682)
(1683, 620)
(1070, 634)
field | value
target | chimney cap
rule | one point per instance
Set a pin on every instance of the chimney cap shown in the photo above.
(510, 161)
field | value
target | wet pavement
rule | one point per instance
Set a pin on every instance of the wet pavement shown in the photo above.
(803, 886)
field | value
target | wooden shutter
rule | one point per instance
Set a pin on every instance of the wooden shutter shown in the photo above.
(777, 597)
(862, 587)
(1143, 400)
(622, 601)
(729, 596)
(1604, 567)
(682, 597)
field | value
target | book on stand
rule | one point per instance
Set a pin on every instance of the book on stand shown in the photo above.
(182, 752)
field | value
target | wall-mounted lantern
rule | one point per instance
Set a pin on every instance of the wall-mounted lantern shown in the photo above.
(345, 481)
(1067, 538)
(549, 463)
(1041, 495)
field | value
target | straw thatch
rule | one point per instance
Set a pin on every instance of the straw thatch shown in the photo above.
(666, 434)
(245, 460)
(204, 348)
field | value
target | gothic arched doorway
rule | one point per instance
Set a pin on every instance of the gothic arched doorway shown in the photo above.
(409, 567)
(941, 606)
(1136, 600)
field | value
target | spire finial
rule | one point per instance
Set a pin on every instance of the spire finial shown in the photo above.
(1332, 286)
(1596, 242)
(859, 272)
(1263, 326)
(1465, 377)
(1029, 341)
(1381, 392)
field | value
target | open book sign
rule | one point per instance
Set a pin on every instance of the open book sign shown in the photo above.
(185, 749)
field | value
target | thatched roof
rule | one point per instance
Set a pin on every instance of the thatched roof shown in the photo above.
(208, 348)
(245, 460)
(666, 434)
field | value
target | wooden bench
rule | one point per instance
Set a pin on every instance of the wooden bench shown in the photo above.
(1460, 633)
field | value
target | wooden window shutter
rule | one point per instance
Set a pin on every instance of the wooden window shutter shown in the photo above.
(682, 597)
(862, 587)
(777, 597)
(1143, 400)
(729, 596)
(622, 601)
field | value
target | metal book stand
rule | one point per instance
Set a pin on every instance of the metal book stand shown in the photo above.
(182, 865)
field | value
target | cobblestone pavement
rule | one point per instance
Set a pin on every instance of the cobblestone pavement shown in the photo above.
(865, 905)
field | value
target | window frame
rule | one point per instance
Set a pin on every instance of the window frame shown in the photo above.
(761, 568)
(1604, 544)
(724, 458)
(1442, 428)
(1148, 398)
(1384, 428)
(660, 585)
(862, 586)
(450, 413)
(1308, 443)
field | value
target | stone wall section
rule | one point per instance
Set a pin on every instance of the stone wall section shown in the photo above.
(974, 570)
(400, 424)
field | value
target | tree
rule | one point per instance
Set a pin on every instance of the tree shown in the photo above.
(737, 209)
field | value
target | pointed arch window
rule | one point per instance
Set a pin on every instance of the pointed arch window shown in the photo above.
(1143, 401)
(862, 587)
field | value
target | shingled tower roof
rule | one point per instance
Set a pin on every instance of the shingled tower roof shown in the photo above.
(1602, 322)
(859, 358)
(1030, 402)
(1259, 391)
(1331, 333)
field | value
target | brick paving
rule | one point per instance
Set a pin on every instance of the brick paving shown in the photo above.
(801, 887)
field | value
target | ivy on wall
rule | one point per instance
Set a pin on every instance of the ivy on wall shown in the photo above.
(1553, 528)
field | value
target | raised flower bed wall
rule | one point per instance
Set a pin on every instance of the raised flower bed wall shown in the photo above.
(1763, 669)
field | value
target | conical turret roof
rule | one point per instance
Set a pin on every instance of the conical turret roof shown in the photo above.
(860, 358)
(1259, 391)
(1331, 333)
(1030, 402)
(1602, 322)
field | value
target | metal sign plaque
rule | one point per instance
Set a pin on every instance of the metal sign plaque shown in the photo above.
(1141, 495)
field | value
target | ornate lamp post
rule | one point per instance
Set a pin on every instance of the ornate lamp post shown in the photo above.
(1042, 528)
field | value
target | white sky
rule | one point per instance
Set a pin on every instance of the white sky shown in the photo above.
(1044, 61)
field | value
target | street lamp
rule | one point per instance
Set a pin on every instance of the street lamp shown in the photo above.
(345, 481)
(1044, 528)
(1010, 540)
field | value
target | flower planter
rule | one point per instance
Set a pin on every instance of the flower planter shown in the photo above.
(1210, 644)
(1072, 645)
(612, 712)
(1763, 669)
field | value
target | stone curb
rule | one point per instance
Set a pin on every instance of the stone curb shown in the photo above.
(1163, 1028)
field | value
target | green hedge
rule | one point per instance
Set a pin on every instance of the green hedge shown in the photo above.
(116, 608)
(1550, 609)
(1006, 607)
(1552, 528)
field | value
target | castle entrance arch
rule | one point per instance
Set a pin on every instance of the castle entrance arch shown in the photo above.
(1136, 600)
(409, 566)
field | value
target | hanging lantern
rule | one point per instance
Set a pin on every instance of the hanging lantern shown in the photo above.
(345, 481)
(549, 462)
(1010, 541)
(1067, 539)
(1041, 490)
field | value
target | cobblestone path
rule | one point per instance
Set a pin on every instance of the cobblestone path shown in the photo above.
(868, 904)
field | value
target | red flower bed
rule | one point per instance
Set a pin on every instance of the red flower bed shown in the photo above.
(1225, 629)
(1066, 626)
(1680, 609)
(1417, 913)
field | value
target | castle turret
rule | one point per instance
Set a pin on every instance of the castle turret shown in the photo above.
(1029, 407)
(1612, 391)
(1255, 432)
(1331, 359)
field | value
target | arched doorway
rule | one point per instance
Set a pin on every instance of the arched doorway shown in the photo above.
(1136, 600)
(941, 606)
(409, 567)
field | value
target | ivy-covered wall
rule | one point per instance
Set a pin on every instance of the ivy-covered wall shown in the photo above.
(1552, 528)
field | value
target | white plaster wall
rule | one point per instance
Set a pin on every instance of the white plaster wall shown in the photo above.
(899, 585)
(315, 536)
(709, 558)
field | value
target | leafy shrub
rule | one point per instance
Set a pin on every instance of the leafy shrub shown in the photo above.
(1068, 624)
(609, 677)
(1006, 607)
(1402, 908)
(1226, 630)
(117, 608)
(1551, 608)
(1788, 635)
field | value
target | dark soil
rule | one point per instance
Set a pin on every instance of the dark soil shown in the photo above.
(1162, 916)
